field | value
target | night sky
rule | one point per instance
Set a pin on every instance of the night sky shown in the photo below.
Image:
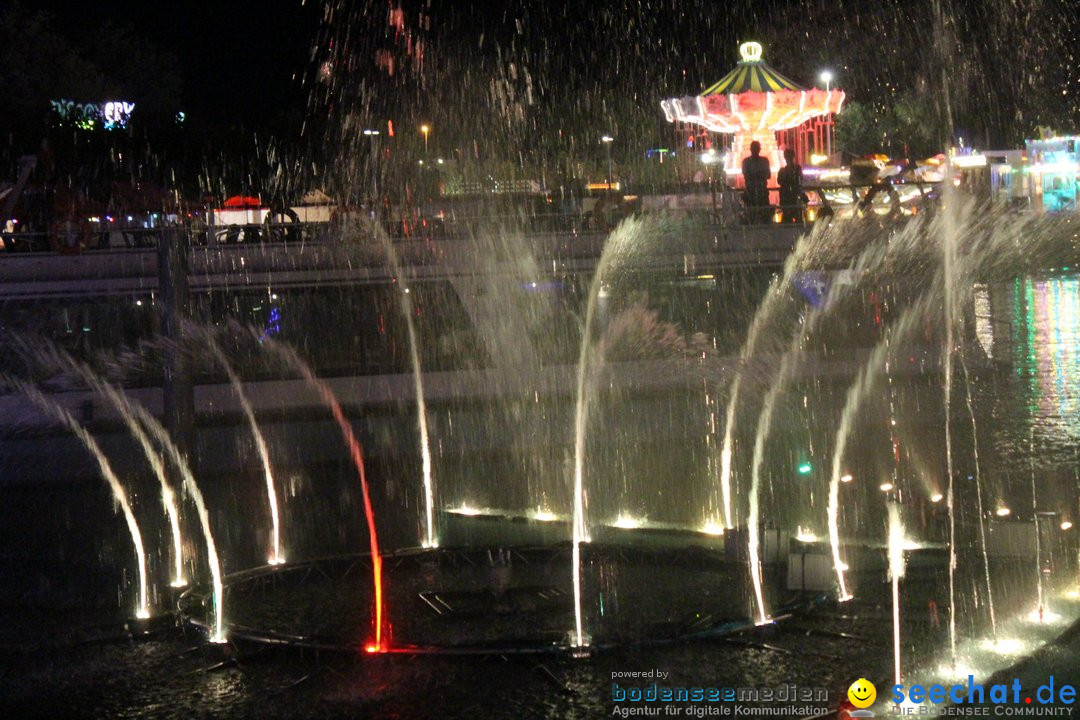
(238, 60)
(244, 61)
(534, 84)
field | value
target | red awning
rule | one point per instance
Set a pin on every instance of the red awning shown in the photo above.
(243, 201)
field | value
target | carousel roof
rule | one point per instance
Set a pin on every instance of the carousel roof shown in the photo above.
(753, 98)
(752, 73)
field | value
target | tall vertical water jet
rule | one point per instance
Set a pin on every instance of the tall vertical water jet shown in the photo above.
(356, 452)
(948, 239)
(764, 314)
(629, 234)
(753, 520)
(948, 249)
(430, 538)
(57, 412)
(896, 571)
(979, 496)
(275, 555)
(867, 379)
(871, 257)
(1035, 517)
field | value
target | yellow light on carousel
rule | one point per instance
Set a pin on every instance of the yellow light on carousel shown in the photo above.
(750, 51)
(1003, 511)
(1065, 525)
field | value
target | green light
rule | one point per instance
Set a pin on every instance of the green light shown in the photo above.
(805, 468)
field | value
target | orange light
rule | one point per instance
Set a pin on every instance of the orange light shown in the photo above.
(372, 648)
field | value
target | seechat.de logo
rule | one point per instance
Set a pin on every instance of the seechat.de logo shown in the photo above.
(973, 693)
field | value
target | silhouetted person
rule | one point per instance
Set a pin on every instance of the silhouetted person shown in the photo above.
(789, 178)
(756, 173)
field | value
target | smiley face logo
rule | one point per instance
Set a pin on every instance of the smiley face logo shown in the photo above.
(862, 693)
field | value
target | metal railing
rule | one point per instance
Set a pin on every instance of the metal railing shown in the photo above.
(717, 205)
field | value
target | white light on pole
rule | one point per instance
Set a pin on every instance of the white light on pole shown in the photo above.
(373, 135)
(826, 77)
(607, 140)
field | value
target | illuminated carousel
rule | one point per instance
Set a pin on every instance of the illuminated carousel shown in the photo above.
(755, 102)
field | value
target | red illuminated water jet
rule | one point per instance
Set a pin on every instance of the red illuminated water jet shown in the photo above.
(378, 645)
(357, 453)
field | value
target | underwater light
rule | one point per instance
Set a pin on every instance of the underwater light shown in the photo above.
(1042, 615)
(805, 468)
(711, 527)
(1004, 646)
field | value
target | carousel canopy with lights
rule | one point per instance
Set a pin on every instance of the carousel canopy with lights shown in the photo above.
(753, 102)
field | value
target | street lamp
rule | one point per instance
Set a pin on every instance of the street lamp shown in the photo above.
(709, 159)
(827, 78)
(607, 140)
(373, 136)
(425, 129)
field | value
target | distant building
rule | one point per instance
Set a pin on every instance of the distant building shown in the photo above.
(1054, 169)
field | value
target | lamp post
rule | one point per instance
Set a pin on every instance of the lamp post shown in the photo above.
(827, 78)
(425, 129)
(709, 159)
(373, 136)
(607, 140)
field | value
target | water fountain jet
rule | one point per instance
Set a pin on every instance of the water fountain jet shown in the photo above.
(275, 556)
(289, 355)
(896, 546)
(191, 489)
(57, 412)
(430, 539)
